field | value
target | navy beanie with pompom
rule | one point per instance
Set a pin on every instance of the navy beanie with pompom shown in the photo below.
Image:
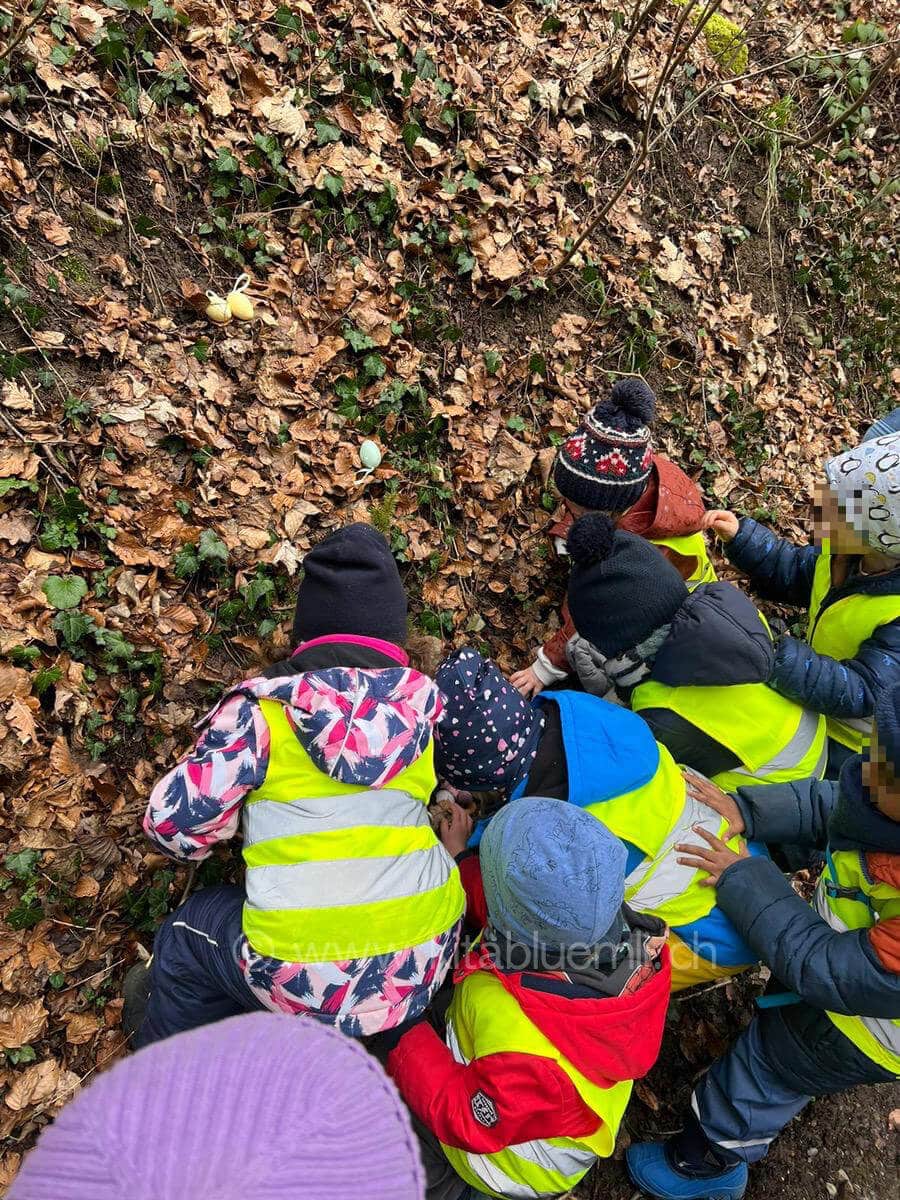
(606, 463)
(621, 588)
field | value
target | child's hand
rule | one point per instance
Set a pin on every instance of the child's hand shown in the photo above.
(704, 790)
(455, 828)
(714, 858)
(526, 682)
(724, 524)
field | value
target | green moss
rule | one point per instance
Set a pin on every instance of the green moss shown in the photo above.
(85, 153)
(382, 513)
(726, 42)
(724, 39)
(73, 268)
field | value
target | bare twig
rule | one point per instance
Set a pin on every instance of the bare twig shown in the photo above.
(839, 120)
(642, 13)
(22, 31)
(675, 56)
(367, 4)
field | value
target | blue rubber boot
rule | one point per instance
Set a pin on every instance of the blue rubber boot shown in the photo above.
(650, 1170)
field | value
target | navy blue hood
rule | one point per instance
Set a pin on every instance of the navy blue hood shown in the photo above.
(716, 639)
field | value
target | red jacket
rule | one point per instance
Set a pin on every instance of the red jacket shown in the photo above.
(671, 506)
(608, 1039)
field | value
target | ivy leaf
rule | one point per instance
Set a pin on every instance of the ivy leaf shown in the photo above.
(492, 361)
(14, 485)
(326, 132)
(373, 366)
(212, 549)
(64, 591)
(357, 339)
(257, 589)
(22, 864)
(72, 625)
(333, 184)
(226, 163)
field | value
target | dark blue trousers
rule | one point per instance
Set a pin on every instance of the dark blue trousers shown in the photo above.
(778, 1064)
(194, 977)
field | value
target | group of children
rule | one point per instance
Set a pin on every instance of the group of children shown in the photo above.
(648, 778)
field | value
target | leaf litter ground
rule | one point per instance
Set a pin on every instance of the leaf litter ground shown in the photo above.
(399, 182)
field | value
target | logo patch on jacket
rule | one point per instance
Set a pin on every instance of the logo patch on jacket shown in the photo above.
(483, 1110)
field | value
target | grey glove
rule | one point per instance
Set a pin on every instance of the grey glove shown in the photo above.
(589, 665)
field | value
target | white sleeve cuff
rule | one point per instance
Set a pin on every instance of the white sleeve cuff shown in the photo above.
(545, 670)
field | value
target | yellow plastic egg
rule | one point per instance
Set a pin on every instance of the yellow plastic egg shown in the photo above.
(217, 310)
(241, 306)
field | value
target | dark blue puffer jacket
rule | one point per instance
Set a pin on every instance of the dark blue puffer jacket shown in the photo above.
(839, 972)
(779, 570)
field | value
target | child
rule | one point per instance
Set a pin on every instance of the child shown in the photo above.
(694, 665)
(574, 747)
(352, 906)
(850, 583)
(253, 1107)
(840, 957)
(608, 465)
(553, 1015)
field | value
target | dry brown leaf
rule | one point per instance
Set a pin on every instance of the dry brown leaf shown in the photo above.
(53, 229)
(14, 681)
(506, 264)
(17, 528)
(22, 720)
(21, 1024)
(35, 1085)
(80, 1027)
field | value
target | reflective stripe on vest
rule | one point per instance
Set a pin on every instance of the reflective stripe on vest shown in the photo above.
(485, 1019)
(654, 818)
(848, 899)
(839, 630)
(353, 873)
(775, 739)
(693, 545)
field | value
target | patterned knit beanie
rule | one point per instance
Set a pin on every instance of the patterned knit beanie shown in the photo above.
(621, 588)
(604, 466)
(866, 484)
(262, 1105)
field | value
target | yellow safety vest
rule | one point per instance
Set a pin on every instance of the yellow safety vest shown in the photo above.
(848, 899)
(839, 631)
(485, 1019)
(655, 818)
(693, 545)
(336, 871)
(775, 739)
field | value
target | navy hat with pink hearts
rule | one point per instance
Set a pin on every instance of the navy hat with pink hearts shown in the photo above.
(488, 735)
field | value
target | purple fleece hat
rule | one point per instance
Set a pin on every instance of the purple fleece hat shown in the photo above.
(261, 1106)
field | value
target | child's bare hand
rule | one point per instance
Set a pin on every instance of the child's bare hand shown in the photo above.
(455, 828)
(715, 858)
(724, 524)
(704, 790)
(526, 682)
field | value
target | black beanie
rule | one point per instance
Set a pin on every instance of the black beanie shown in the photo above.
(621, 587)
(351, 585)
(604, 466)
